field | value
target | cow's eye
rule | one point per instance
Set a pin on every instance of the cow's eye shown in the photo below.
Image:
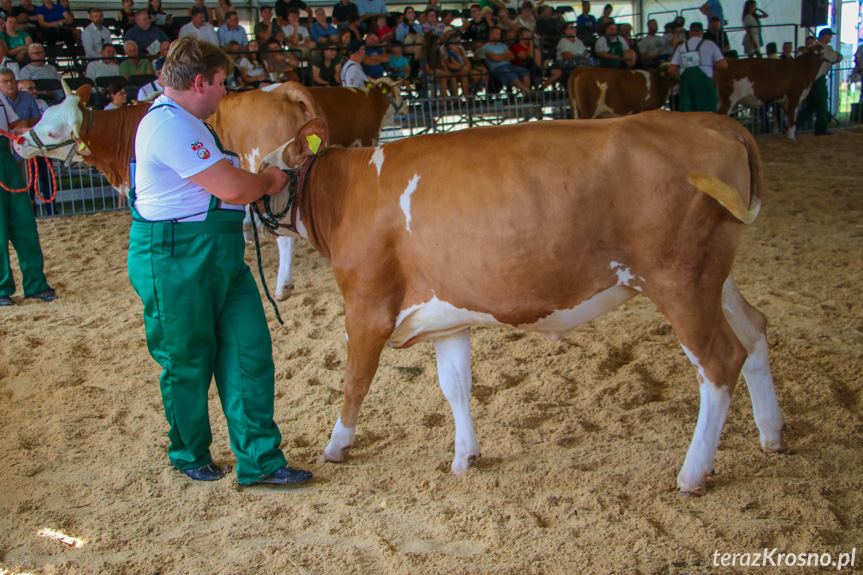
(52, 136)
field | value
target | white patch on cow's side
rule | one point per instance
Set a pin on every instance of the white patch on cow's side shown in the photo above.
(346, 336)
(253, 160)
(341, 438)
(601, 107)
(270, 87)
(405, 200)
(453, 368)
(378, 159)
(743, 91)
(625, 275)
(702, 451)
(436, 318)
(646, 83)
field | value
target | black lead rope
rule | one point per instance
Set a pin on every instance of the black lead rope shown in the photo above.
(261, 267)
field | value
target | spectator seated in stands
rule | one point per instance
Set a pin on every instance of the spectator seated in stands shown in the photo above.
(548, 29)
(526, 54)
(631, 61)
(253, 71)
(771, 51)
(152, 89)
(283, 65)
(459, 66)
(434, 65)
(208, 15)
(7, 62)
(341, 10)
(220, 12)
(116, 96)
(16, 40)
(283, 6)
(158, 17)
(674, 36)
(264, 27)
(624, 32)
(410, 33)
(107, 66)
(95, 36)
(384, 32)
(37, 69)
(231, 30)
(376, 56)
(6, 8)
(400, 66)
(27, 18)
(326, 65)
(474, 30)
(354, 24)
(651, 46)
(369, 10)
(604, 20)
(498, 58)
(297, 37)
(787, 52)
(585, 20)
(199, 27)
(505, 23)
(431, 22)
(30, 87)
(570, 52)
(22, 101)
(147, 38)
(610, 48)
(54, 24)
(133, 65)
(322, 31)
(526, 18)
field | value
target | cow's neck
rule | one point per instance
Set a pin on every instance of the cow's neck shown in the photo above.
(113, 145)
(323, 195)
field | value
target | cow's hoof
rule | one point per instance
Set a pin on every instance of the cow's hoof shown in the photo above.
(696, 492)
(461, 467)
(332, 457)
(769, 449)
(285, 292)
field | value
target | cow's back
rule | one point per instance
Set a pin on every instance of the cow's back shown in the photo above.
(537, 212)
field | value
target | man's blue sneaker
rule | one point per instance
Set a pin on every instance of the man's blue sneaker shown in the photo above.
(286, 475)
(211, 472)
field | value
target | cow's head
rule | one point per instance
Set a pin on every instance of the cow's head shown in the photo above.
(311, 140)
(392, 92)
(58, 133)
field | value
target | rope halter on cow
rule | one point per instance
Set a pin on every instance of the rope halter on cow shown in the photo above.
(32, 173)
(297, 179)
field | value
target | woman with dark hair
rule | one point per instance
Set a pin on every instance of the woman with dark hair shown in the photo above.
(526, 55)
(326, 66)
(116, 94)
(410, 33)
(252, 69)
(604, 20)
(158, 16)
(752, 16)
(126, 16)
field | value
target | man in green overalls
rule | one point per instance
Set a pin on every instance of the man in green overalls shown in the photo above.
(18, 224)
(816, 100)
(610, 48)
(202, 312)
(697, 57)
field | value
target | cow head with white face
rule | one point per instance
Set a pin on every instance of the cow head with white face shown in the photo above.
(58, 132)
(827, 55)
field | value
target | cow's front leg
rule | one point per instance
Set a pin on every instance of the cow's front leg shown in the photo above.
(285, 283)
(453, 368)
(364, 353)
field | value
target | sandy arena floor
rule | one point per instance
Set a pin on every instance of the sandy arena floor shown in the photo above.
(581, 439)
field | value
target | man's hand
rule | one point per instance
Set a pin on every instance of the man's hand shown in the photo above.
(278, 180)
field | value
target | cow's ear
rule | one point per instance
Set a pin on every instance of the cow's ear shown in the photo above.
(311, 140)
(84, 93)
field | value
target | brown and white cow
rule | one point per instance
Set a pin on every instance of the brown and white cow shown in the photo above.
(755, 82)
(356, 116)
(607, 93)
(251, 123)
(418, 255)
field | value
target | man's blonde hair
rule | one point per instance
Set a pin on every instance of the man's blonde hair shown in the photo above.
(189, 57)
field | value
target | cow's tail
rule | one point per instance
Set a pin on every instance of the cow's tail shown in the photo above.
(728, 196)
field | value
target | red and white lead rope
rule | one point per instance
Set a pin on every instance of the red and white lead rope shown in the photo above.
(32, 172)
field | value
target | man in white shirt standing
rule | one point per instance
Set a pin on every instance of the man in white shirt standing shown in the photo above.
(353, 75)
(199, 28)
(203, 316)
(95, 36)
(694, 62)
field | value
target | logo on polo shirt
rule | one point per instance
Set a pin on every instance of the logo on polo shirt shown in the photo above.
(198, 146)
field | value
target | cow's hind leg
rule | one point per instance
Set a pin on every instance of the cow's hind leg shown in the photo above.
(712, 347)
(453, 367)
(285, 283)
(750, 326)
(364, 353)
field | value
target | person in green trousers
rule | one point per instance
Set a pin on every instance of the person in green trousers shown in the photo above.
(816, 101)
(18, 224)
(203, 314)
(693, 63)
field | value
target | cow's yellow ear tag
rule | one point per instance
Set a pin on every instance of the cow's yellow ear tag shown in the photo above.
(369, 85)
(383, 90)
(314, 143)
(81, 146)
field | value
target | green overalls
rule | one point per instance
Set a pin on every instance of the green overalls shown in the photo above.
(815, 103)
(697, 90)
(203, 318)
(18, 225)
(615, 48)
